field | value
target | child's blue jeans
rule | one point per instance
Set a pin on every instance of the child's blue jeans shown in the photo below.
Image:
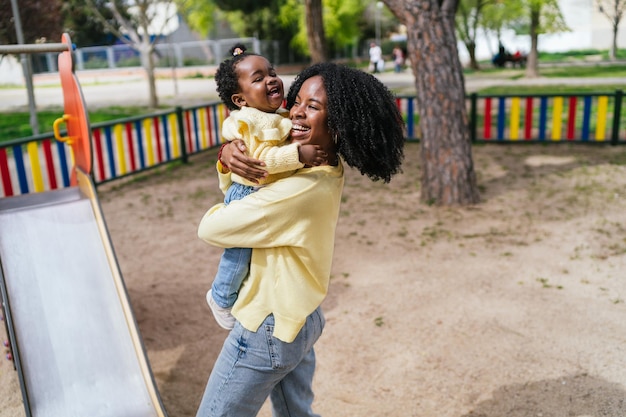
(235, 262)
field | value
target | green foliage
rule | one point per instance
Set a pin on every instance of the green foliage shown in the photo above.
(279, 19)
(292, 14)
(551, 18)
(591, 71)
(262, 23)
(573, 54)
(343, 22)
(39, 18)
(245, 6)
(469, 17)
(85, 27)
(96, 63)
(200, 15)
(499, 14)
(496, 15)
(129, 62)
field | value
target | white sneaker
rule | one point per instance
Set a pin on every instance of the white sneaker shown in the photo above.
(222, 315)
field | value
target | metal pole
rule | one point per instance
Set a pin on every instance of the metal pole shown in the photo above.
(33, 48)
(25, 59)
(379, 7)
(617, 115)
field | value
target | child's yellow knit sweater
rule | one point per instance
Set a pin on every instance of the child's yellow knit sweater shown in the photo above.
(266, 136)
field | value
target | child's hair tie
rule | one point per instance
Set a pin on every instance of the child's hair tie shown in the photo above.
(238, 49)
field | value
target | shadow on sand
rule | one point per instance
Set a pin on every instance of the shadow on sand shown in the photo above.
(579, 395)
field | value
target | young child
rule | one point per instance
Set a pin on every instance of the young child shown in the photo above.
(247, 83)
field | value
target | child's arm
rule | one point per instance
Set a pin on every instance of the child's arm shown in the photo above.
(312, 155)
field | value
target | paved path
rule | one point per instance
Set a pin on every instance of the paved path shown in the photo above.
(129, 88)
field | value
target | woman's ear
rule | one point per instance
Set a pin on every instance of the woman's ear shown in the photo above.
(238, 99)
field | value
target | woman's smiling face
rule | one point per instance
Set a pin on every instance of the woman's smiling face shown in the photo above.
(309, 115)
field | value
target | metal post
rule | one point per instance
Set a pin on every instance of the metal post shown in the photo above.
(110, 57)
(379, 7)
(26, 69)
(181, 133)
(472, 123)
(617, 114)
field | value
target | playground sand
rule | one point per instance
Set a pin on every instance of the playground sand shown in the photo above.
(514, 307)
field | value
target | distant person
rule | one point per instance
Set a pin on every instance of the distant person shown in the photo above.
(499, 59)
(398, 58)
(376, 58)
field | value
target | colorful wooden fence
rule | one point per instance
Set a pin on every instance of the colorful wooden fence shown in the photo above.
(571, 118)
(128, 146)
(119, 148)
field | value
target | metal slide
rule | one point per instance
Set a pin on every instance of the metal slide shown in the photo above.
(74, 339)
(73, 336)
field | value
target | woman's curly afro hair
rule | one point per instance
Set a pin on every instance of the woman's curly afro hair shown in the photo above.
(362, 116)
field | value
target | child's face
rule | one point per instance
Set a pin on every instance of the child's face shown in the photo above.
(259, 86)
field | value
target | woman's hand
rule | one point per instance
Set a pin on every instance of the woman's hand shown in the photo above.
(237, 161)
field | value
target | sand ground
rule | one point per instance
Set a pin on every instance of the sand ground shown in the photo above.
(512, 308)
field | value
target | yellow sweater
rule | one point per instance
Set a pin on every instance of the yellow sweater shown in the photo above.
(290, 224)
(266, 136)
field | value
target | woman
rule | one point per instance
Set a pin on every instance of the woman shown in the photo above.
(290, 224)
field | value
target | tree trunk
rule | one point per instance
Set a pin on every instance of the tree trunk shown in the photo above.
(315, 31)
(448, 176)
(147, 62)
(471, 50)
(532, 64)
(613, 51)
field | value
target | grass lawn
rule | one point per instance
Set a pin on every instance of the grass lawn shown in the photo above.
(17, 124)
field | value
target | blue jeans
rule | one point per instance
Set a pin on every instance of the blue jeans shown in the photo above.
(255, 365)
(235, 262)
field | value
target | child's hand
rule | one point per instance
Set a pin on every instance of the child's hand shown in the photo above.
(312, 155)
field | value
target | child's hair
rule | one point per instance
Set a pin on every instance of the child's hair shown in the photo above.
(362, 116)
(226, 75)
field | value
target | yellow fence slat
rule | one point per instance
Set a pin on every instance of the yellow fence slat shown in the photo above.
(119, 144)
(174, 131)
(147, 130)
(603, 102)
(35, 166)
(515, 111)
(557, 117)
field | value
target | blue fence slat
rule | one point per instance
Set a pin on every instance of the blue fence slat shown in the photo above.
(216, 125)
(196, 129)
(584, 134)
(140, 145)
(166, 137)
(21, 169)
(543, 116)
(410, 111)
(501, 117)
(64, 167)
(108, 138)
